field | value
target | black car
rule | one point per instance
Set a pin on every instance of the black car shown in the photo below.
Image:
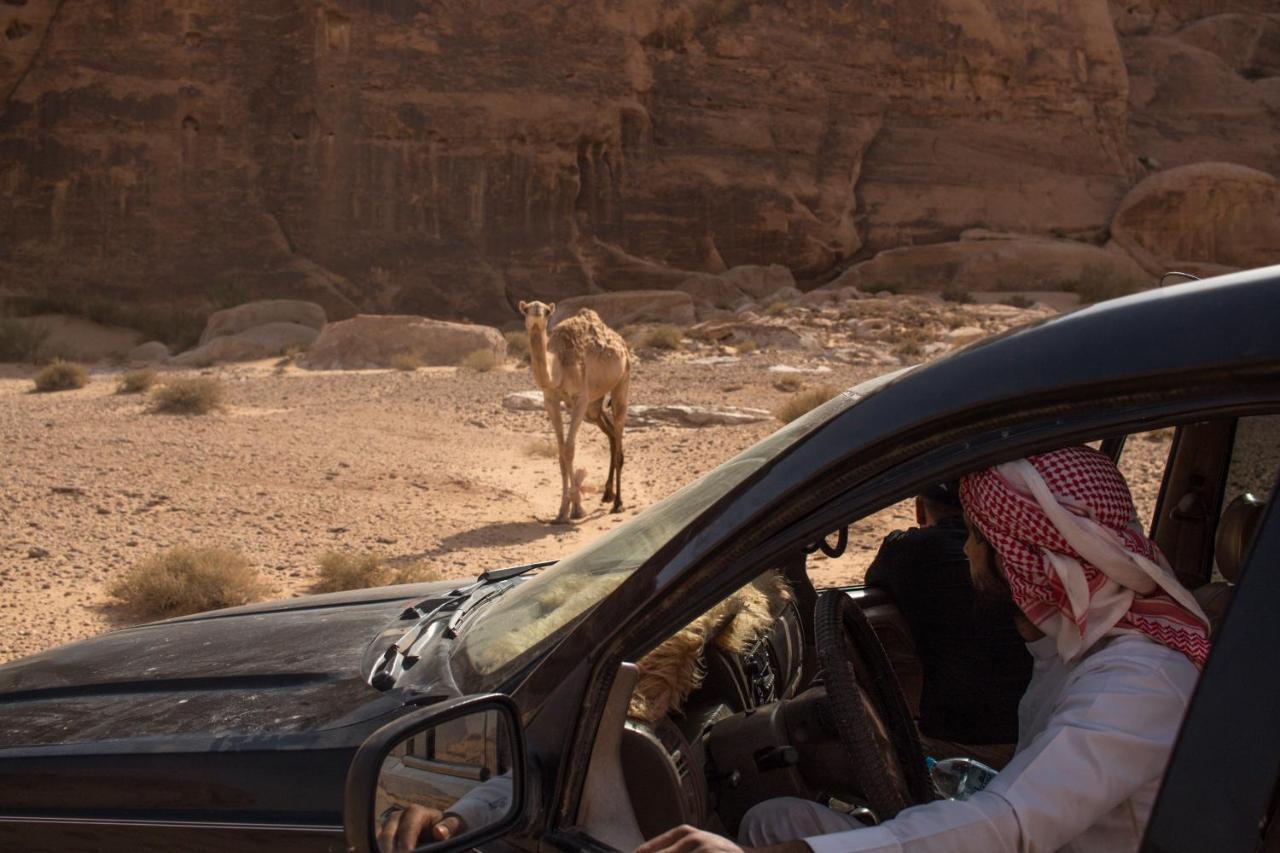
(308, 724)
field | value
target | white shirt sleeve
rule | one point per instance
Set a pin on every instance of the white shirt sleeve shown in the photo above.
(484, 804)
(1110, 734)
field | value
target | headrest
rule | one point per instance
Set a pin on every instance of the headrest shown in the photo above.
(1236, 529)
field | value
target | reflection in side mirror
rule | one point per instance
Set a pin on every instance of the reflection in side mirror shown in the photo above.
(438, 780)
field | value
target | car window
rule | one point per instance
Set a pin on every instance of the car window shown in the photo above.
(1255, 457)
(1142, 462)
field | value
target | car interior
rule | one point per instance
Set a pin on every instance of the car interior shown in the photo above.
(755, 721)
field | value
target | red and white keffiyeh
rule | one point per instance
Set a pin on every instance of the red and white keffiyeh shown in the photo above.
(1076, 559)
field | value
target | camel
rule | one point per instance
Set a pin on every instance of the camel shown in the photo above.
(582, 362)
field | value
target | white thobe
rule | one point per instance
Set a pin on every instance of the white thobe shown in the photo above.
(1094, 738)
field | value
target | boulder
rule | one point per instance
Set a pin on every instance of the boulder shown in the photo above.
(764, 333)
(373, 340)
(1215, 213)
(152, 352)
(994, 264)
(1248, 43)
(713, 290)
(76, 338)
(759, 281)
(231, 321)
(625, 307)
(524, 401)
(266, 341)
(696, 416)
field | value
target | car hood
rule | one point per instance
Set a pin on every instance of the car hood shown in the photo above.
(279, 668)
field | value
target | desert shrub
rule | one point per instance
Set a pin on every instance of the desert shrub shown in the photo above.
(482, 361)
(789, 384)
(517, 344)
(20, 341)
(804, 401)
(196, 395)
(543, 447)
(745, 346)
(188, 579)
(958, 296)
(340, 571)
(777, 309)
(663, 336)
(405, 361)
(908, 349)
(137, 381)
(1099, 283)
(1017, 300)
(61, 376)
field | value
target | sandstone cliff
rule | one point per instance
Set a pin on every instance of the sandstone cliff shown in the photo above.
(452, 157)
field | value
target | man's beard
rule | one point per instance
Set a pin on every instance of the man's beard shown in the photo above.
(992, 600)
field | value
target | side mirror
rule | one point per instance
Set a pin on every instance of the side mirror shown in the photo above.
(444, 778)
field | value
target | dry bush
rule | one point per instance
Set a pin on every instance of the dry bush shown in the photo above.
(188, 579)
(137, 381)
(958, 296)
(339, 571)
(197, 395)
(789, 384)
(20, 341)
(804, 401)
(482, 361)
(543, 447)
(1017, 300)
(664, 336)
(908, 349)
(406, 361)
(61, 376)
(745, 346)
(777, 309)
(517, 344)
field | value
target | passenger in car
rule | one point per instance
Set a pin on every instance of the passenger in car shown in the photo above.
(1118, 646)
(975, 664)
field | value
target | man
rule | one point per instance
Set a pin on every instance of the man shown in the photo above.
(975, 664)
(1118, 645)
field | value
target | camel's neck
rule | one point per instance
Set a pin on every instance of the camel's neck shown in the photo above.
(539, 359)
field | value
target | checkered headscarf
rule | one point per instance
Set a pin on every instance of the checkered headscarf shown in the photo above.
(1075, 557)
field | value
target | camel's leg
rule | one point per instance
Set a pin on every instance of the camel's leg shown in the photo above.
(618, 410)
(552, 403)
(598, 416)
(576, 416)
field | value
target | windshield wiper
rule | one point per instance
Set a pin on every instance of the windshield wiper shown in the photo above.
(399, 655)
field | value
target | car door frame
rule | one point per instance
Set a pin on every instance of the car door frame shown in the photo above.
(877, 476)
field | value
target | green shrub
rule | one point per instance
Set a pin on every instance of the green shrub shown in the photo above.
(196, 395)
(137, 382)
(777, 309)
(1098, 283)
(188, 579)
(61, 376)
(803, 402)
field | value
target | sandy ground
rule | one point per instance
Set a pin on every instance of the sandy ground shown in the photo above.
(424, 465)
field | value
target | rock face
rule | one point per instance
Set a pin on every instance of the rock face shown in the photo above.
(422, 158)
(234, 320)
(266, 341)
(1216, 213)
(631, 306)
(987, 262)
(152, 352)
(372, 340)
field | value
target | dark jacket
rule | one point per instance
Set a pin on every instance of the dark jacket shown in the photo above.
(976, 666)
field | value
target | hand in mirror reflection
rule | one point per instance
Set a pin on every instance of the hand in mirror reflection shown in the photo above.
(443, 782)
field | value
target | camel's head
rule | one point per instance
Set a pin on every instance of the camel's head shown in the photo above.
(536, 314)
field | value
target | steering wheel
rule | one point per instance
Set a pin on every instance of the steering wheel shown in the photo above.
(868, 709)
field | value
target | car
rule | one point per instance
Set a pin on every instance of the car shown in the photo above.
(309, 724)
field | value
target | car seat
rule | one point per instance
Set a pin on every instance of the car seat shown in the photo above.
(1236, 529)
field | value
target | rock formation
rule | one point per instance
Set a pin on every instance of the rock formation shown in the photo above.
(424, 158)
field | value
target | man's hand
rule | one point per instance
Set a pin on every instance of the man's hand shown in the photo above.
(687, 839)
(403, 827)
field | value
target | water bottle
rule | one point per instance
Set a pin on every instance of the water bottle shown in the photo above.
(959, 778)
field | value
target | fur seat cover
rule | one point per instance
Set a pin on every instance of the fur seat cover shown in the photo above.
(674, 669)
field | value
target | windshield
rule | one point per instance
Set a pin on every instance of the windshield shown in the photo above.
(549, 601)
